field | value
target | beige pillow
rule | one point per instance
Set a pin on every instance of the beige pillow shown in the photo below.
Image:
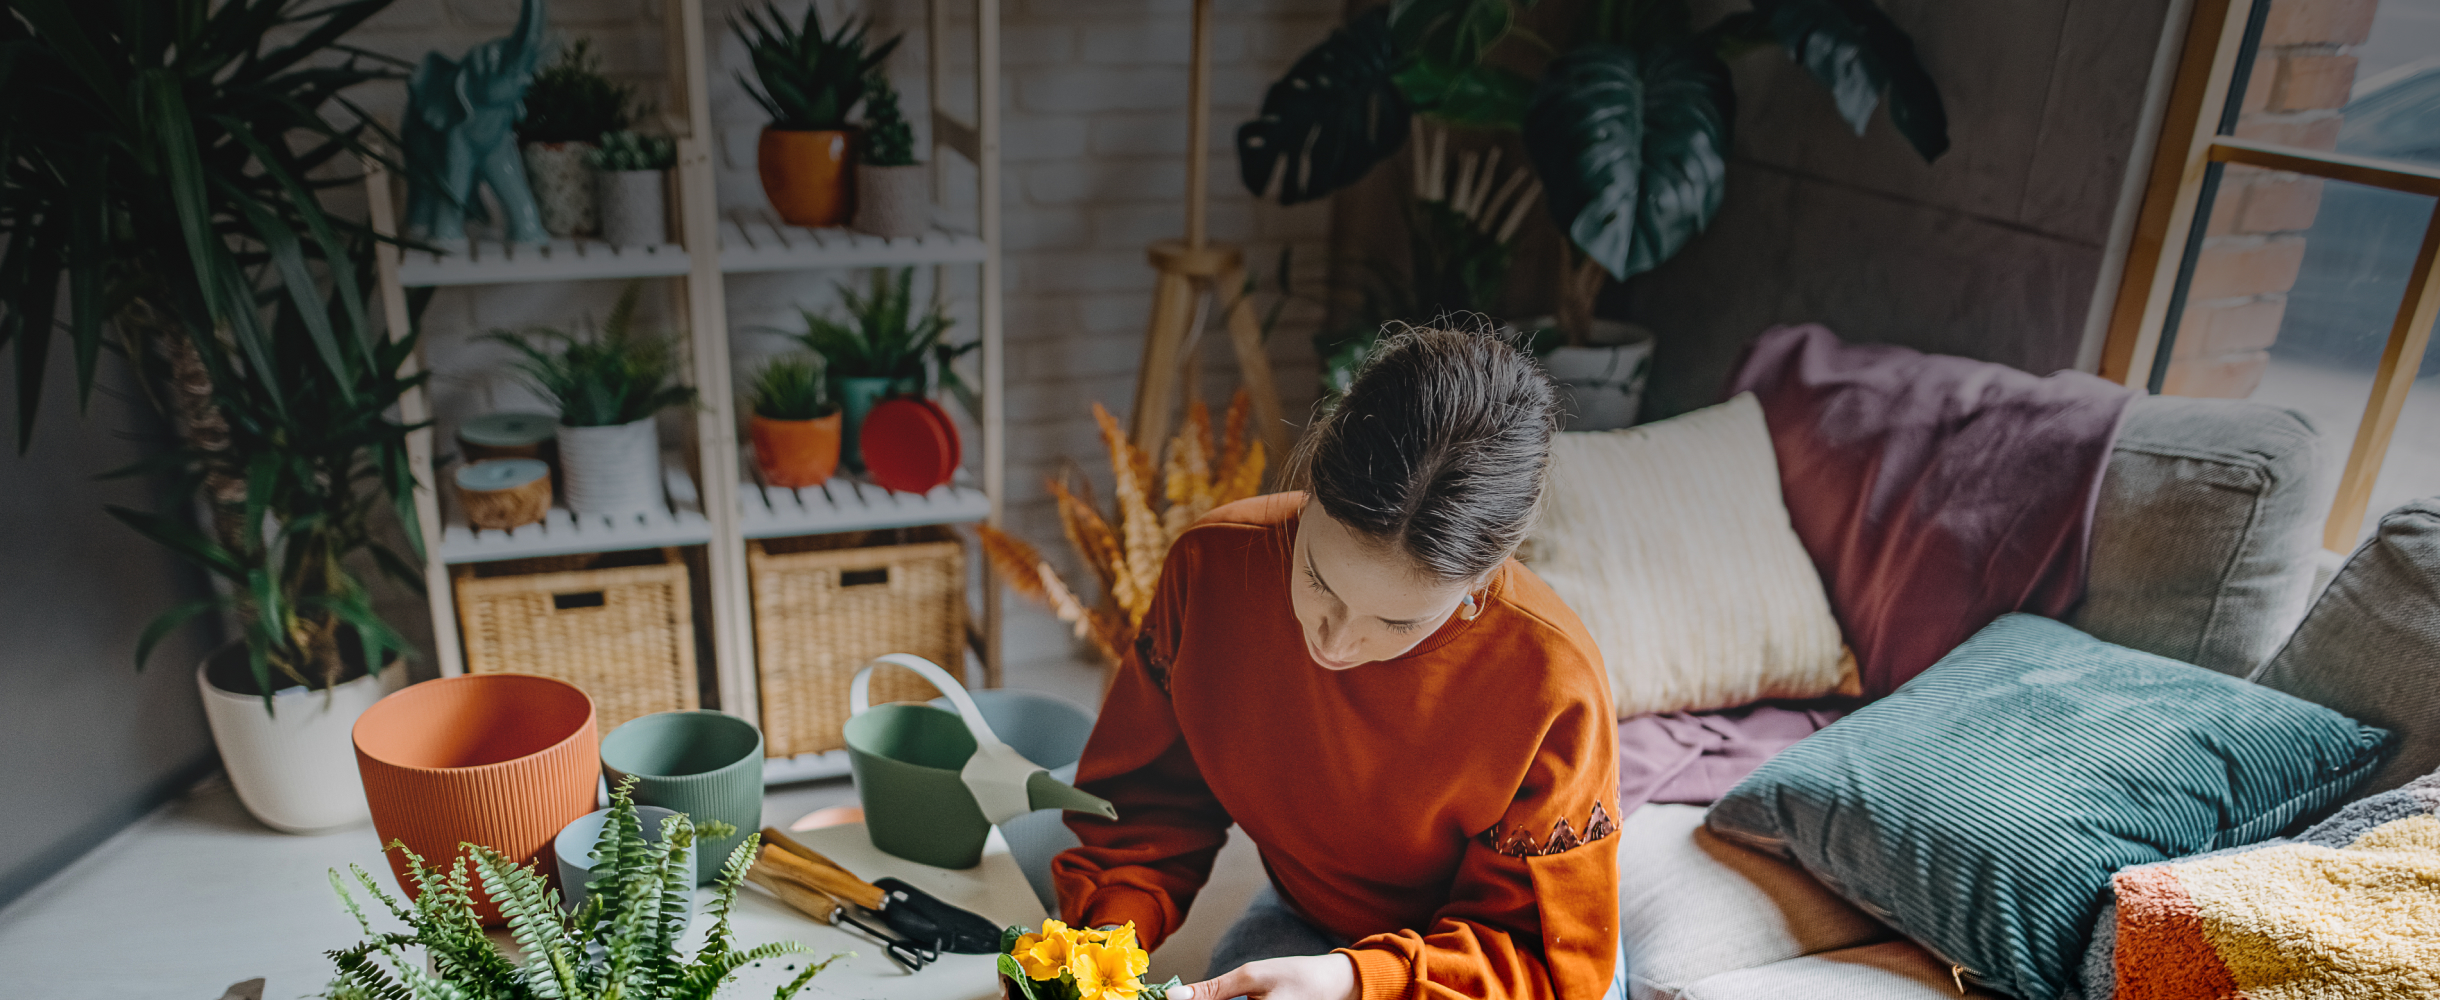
(1671, 542)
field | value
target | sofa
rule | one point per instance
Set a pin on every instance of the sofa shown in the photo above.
(2203, 550)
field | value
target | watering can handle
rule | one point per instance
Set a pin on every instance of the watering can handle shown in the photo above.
(860, 691)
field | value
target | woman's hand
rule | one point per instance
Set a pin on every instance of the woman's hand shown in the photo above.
(1313, 977)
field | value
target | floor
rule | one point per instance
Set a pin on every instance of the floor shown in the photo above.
(199, 896)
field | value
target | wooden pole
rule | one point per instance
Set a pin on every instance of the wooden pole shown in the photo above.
(1198, 118)
(2409, 336)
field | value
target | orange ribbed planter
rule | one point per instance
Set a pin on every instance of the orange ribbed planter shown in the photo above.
(501, 760)
(796, 453)
(809, 176)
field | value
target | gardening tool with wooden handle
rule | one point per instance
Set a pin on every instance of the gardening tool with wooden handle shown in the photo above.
(806, 888)
(913, 913)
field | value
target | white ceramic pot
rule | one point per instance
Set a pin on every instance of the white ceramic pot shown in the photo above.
(294, 767)
(634, 211)
(611, 471)
(1603, 384)
(563, 185)
(895, 202)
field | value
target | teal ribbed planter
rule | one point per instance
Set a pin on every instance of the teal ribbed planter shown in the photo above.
(705, 764)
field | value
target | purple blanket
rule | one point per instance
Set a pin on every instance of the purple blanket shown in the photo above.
(1934, 493)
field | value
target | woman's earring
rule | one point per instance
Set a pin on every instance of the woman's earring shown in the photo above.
(1467, 609)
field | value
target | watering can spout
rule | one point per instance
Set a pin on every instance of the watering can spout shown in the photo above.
(1045, 792)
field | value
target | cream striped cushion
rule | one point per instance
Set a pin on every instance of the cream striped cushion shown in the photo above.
(1671, 542)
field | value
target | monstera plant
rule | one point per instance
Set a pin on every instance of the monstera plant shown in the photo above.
(1628, 128)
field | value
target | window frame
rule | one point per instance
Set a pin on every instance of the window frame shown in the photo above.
(2186, 167)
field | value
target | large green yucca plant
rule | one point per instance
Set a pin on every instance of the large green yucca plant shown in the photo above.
(615, 376)
(622, 944)
(810, 79)
(883, 336)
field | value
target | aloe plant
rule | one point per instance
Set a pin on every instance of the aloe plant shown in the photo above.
(791, 388)
(613, 376)
(810, 79)
(622, 944)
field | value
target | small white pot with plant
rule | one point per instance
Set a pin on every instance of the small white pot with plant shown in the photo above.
(568, 107)
(608, 386)
(893, 192)
(630, 172)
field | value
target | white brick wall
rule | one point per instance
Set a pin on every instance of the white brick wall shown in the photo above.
(1093, 141)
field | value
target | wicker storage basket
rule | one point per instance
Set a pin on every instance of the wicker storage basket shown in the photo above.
(824, 605)
(620, 626)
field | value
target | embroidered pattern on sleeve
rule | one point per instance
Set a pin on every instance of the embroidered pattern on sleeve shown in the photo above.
(1518, 842)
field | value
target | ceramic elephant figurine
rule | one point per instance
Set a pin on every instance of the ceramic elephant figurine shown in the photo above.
(460, 132)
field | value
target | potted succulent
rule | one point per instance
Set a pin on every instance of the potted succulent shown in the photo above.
(893, 192)
(567, 109)
(810, 81)
(608, 386)
(795, 426)
(630, 170)
(621, 942)
(878, 350)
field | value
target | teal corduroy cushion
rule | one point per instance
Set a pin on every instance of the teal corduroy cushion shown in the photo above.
(1981, 808)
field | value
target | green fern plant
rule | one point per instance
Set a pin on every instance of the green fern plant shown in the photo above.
(622, 944)
(616, 376)
(888, 140)
(883, 336)
(791, 388)
(624, 151)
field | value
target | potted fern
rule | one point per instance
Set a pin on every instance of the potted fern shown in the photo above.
(810, 80)
(622, 941)
(608, 386)
(795, 425)
(878, 350)
(567, 109)
(893, 197)
(630, 170)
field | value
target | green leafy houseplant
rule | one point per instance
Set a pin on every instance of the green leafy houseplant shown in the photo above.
(810, 79)
(791, 388)
(622, 944)
(614, 376)
(625, 151)
(1628, 128)
(571, 101)
(883, 336)
(888, 140)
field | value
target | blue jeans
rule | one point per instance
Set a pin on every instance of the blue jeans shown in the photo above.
(1267, 929)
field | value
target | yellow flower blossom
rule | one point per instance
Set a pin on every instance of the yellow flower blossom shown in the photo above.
(1123, 939)
(1045, 955)
(1104, 972)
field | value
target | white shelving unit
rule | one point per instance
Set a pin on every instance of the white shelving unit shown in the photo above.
(730, 507)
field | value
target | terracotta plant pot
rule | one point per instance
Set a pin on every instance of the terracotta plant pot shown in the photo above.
(563, 185)
(796, 453)
(501, 760)
(806, 175)
(894, 202)
(289, 764)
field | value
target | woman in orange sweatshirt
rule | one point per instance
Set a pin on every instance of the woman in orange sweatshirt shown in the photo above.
(1416, 733)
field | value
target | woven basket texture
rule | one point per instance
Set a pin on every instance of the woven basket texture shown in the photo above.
(625, 634)
(825, 605)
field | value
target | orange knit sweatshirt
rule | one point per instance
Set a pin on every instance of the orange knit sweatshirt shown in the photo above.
(1451, 811)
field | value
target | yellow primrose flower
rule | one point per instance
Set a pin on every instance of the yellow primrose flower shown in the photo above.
(1045, 955)
(1106, 973)
(1123, 939)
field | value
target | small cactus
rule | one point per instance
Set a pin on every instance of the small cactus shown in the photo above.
(621, 151)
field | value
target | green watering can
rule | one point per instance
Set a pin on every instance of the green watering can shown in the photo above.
(933, 782)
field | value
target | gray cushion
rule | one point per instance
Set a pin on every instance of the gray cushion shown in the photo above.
(1894, 970)
(2371, 646)
(2203, 532)
(1691, 905)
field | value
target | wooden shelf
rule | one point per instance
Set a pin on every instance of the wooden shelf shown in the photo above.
(846, 503)
(564, 533)
(755, 240)
(491, 262)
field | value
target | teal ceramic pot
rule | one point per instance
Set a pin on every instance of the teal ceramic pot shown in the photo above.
(856, 398)
(705, 764)
(575, 843)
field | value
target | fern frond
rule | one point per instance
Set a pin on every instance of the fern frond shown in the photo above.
(811, 969)
(524, 897)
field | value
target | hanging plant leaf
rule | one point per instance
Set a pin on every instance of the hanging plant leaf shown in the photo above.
(1632, 150)
(1451, 32)
(1334, 115)
(1854, 49)
(1465, 95)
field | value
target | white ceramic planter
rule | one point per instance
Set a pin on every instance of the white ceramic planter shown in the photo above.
(1603, 384)
(563, 185)
(611, 471)
(295, 767)
(634, 211)
(895, 202)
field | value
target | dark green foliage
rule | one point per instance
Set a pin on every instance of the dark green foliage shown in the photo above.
(883, 336)
(1854, 49)
(888, 141)
(614, 376)
(791, 388)
(1334, 115)
(622, 944)
(622, 151)
(1634, 149)
(571, 101)
(810, 79)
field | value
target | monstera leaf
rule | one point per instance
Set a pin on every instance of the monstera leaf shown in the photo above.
(1475, 94)
(1451, 32)
(1853, 48)
(1334, 115)
(1632, 149)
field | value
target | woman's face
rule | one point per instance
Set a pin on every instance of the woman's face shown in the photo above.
(1359, 601)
